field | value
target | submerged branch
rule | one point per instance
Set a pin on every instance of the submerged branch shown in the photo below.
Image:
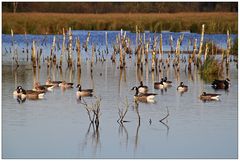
(165, 116)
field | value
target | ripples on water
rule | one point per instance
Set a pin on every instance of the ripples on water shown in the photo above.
(58, 126)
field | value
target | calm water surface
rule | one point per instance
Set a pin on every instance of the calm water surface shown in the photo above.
(58, 126)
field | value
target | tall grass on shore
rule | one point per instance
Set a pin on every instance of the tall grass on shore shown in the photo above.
(41, 23)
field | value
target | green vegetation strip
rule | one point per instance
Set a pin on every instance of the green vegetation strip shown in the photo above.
(42, 23)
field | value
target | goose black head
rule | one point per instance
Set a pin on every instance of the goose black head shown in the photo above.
(19, 87)
(79, 87)
(165, 78)
(204, 93)
(228, 79)
(141, 83)
(134, 88)
(181, 84)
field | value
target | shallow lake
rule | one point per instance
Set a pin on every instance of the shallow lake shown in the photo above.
(58, 126)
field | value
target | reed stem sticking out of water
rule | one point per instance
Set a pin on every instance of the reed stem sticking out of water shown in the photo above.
(153, 60)
(33, 54)
(113, 58)
(85, 45)
(171, 43)
(122, 113)
(53, 50)
(201, 46)
(138, 55)
(165, 116)
(228, 47)
(178, 54)
(92, 60)
(78, 52)
(160, 48)
(70, 61)
(136, 35)
(12, 37)
(106, 38)
(94, 109)
(63, 49)
(206, 52)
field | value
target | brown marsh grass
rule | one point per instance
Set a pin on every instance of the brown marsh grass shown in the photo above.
(41, 23)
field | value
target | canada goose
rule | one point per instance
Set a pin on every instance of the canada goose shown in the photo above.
(42, 88)
(143, 97)
(142, 88)
(64, 84)
(209, 96)
(83, 92)
(30, 94)
(159, 85)
(182, 87)
(54, 83)
(221, 84)
(167, 82)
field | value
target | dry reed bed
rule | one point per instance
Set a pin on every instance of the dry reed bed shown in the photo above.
(41, 23)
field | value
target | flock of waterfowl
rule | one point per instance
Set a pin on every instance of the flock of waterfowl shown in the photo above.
(141, 94)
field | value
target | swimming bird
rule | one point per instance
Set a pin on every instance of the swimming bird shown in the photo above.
(54, 83)
(182, 87)
(83, 92)
(142, 88)
(221, 84)
(143, 97)
(209, 96)
(42, 88)
(167, 82)
(159, 85)
(64, 84)
(30, 94)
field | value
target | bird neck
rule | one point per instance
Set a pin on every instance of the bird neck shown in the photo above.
(136, 92)
(80, 88)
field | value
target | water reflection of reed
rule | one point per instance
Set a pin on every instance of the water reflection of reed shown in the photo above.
(93, 137)
(122, 131)
(79, 75)
(16, 76)
(136, 142)
(93, 112)
(122, 72)
(34, 76)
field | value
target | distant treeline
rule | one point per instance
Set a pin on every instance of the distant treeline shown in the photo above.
(119, 7)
